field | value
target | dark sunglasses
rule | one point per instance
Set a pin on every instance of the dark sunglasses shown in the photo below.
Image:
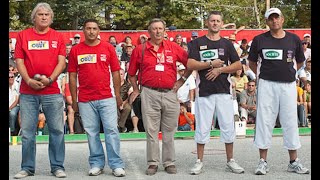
(76, 38)
(304, 43)
(11, 76)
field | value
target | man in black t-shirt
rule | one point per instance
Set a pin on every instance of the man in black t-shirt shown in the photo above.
(214, 58)
(275, 56)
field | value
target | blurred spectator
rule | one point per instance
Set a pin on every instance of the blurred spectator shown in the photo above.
(307, 97)
(125, 109)
(76, 39)
(307, 38)
(307, 54)
(186, 93)
(13, 105)
(113, 41)
(186, 119)
(126, 53)
(178, 39)
(232, 38)
(247, 103)
(301, 106)
(184, 46)
(194, 35)
(241, 82)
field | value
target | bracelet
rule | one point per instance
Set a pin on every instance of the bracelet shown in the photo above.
(50, 80)
(210, 64)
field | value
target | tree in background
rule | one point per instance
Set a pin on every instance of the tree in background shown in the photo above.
(135, 14)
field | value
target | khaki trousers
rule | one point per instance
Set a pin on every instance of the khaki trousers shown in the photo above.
(160, 111)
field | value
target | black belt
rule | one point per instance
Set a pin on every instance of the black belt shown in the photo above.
(159, 89)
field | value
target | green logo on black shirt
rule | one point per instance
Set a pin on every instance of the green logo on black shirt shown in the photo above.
(208, 54)
(272, 54)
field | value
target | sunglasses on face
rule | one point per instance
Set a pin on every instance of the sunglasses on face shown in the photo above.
(11, 76)
(76, 38)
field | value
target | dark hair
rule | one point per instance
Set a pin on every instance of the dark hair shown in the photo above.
(244, 41)
(215, 13)
(91, 20)
(252, 80)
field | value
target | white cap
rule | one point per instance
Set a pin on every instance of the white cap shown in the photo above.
(306, 35)
(272, 11)
(181, 67)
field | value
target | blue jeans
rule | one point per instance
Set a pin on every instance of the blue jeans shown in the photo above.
(52, 106)
(91, 113)
(185, 127)
(13, 118)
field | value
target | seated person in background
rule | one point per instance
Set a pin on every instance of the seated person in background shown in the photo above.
(301, 106)
(248, 103)
(307, 97)
(125, 108)
(241, 82)
(186, 93)
(186, 119)
(13, 105)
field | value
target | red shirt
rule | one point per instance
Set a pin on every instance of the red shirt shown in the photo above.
(40, 54)
(167, 55)
(92, 64)
(183, 120)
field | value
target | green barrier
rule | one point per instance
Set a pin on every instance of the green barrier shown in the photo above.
(142, 135)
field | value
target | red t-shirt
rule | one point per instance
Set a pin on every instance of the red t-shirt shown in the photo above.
(167, 55)
(92, 65)
(183, 120)
(40, 54)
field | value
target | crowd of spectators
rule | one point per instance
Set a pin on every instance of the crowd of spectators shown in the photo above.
(243, 86)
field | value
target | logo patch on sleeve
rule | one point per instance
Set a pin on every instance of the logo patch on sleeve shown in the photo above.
(87, 58)
(38, 45)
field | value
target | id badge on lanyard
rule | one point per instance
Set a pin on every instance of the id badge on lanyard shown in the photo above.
(160, 59)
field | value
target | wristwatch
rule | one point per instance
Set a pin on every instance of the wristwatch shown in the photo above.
(50, 80)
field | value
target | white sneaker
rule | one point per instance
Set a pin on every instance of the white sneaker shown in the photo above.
(22, 174)
(262, 168)
(234, 167)
(59, 173)
(135, 130)
(297, 167)
(118, 172)
(196, 168)
(95, 171)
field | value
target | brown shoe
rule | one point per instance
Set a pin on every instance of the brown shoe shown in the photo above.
(171, 169)
(152, 170)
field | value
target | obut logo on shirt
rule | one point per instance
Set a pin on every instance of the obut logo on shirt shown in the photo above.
(272, 54)
(209, 54)
(38, 45)
(87, 58)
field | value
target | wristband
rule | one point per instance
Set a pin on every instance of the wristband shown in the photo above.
(219, 70)
(50, 80)
(210, 64)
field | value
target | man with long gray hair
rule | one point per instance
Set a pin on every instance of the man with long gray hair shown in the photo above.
(40, 58)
